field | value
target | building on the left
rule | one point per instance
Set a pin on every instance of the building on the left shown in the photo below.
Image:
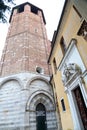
(26, 96)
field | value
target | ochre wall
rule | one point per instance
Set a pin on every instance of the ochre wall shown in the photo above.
(68, 30)
(66, 118)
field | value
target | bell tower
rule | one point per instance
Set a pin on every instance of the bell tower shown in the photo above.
(27, 46)
(26, 95)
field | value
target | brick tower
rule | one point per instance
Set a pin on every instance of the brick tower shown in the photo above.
(26, 96)
(26, 46)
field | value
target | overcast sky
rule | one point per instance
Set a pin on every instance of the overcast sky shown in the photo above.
(52, 11)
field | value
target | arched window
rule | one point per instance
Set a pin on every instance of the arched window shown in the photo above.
(41, 117)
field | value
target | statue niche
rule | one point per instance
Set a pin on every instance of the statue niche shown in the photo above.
(69, 70)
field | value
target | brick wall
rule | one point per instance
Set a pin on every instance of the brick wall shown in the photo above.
(26, 45)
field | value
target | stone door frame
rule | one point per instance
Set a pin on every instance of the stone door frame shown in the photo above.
(72, 101)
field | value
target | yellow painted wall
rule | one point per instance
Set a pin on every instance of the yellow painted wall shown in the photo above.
(66, 119)
(58, 56)
(82, 48)
(72, 26)
(68, 30)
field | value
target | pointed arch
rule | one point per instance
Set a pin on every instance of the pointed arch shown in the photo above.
(40, 97)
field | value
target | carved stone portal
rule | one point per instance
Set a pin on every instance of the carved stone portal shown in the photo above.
(69, 70)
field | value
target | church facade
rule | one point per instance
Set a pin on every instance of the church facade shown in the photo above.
(68, 59)
(26, 95)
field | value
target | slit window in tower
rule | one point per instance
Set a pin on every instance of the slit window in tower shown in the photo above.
(63, 45)
(63, 105)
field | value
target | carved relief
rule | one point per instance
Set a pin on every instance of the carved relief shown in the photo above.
(69, 70)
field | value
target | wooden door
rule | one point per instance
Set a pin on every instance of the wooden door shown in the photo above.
(81, 106)
(41, 117)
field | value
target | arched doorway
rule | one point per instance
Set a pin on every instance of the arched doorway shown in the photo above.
(41, 117)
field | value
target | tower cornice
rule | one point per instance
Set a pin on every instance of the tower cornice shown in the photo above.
(31, 5)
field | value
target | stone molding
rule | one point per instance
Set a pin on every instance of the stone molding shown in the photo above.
(41, 100)
(12, 79)
(37, 78)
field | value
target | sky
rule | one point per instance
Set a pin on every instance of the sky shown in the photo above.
(52, 11)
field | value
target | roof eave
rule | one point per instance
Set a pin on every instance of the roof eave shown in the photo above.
(58, 29)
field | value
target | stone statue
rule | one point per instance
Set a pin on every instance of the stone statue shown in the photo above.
(69, 70)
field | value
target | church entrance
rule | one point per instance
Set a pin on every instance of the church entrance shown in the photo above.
(81, 106)
(41, 117)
